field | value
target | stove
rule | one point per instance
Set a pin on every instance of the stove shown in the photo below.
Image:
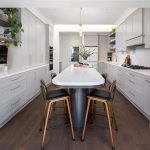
(137, 67)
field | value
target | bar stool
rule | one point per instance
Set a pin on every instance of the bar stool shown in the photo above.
(105, 77)
(50, 98)
(53, 75)
(106, 97)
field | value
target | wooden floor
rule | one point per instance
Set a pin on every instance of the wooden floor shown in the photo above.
(22, 132)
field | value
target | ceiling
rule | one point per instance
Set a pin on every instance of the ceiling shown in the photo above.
(89, 15)
(74, 3)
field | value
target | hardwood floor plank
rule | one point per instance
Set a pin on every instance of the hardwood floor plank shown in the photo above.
(22, 132)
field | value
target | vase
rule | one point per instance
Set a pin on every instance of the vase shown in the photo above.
(84, 61)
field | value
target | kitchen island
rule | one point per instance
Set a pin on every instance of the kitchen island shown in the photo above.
(78, 80)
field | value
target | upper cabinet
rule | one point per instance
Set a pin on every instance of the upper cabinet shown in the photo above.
(120, 37)
(129, 28)
(134, 31)
(135, 28)
(147, 27)
(137, 23)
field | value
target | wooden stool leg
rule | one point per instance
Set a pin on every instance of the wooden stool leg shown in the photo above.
(43, 116)
(92, 106)
(86, 117)
(109, 122)
(114, 117)
(93, 112)
(65, 111)
(70, 117)
(45, 125)
(52, 109)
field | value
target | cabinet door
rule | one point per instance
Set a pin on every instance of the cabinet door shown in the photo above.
(137, 23)
(5, 112)
(129, 27)
(118, 38)
(147, 27)
(121, 37)
(147, 97)
(123, 34)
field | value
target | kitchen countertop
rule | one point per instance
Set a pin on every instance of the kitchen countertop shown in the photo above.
(78, 76)
(14, 72)
(145, 72)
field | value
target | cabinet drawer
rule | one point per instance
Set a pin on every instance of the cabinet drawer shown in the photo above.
(5, 112)
(10, 80)
(5, 94)
(135, 96)
(18, 88)
(16, 78)
(135, 81)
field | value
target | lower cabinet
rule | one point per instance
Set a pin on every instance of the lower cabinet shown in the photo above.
(146, 96)
(18, 90)
(135, 86)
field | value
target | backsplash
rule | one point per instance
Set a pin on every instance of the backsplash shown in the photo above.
(139, 56)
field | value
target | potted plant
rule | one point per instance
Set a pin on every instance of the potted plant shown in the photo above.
(113, 30)
(15, 26)
(85, 53)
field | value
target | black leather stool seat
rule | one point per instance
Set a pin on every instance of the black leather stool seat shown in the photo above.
(102, 94)
(53, 94)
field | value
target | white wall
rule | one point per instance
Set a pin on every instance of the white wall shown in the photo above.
(34, 44)
(67, 41)
(73, 28)
(103, 45)
(139, 56)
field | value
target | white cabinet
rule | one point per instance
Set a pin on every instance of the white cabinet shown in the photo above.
(137, 23)
(129, 26)
(17, 90)
(135, 28)
(147, 27)
(120, 37)
(135, 86)
(101, 67)
(146, 97)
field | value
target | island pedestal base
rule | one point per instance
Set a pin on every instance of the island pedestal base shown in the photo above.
(79, 105)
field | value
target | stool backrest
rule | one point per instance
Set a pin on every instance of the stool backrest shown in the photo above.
(43, 89)
(53, 75)
(112, 89)
(105, 77)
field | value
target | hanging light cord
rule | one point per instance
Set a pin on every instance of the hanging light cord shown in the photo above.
(80, 16)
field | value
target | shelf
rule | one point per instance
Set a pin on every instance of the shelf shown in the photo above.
(4, 23)
(5, 40)
(113, 34)
(112, 48)
(113, 41)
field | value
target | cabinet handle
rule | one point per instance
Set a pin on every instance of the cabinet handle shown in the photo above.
(131, 93)
(15, 88)
(147, 81)
(15, 79)
(131, 75)
(131, 82)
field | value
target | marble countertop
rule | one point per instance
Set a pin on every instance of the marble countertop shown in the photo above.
(14, 72)
(78, 76)
(145, 72)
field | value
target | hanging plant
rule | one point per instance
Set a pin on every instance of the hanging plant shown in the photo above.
(15, 26)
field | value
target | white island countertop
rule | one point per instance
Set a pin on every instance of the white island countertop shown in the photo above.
(78, 76)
